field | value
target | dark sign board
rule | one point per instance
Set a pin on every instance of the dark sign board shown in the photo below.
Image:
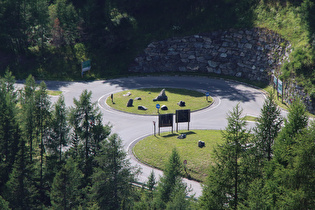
(182, 115)
(166, 120)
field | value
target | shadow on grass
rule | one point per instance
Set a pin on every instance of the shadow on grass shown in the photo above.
(188, 132)
(170, 135)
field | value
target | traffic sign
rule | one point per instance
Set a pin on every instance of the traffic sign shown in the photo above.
(158, 106)
(207, 94)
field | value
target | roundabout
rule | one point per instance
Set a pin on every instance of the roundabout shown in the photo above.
(132, 128)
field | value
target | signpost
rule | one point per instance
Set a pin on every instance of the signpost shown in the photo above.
(86, 66)
(207, 95)
(185, 163)
(158, 107)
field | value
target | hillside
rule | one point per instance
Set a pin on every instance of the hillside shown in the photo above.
(50, 39)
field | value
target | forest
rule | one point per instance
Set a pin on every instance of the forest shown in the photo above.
(58, 157)
(50, 38)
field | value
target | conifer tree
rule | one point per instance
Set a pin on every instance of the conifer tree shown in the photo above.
(295, 123)
(171, 174)
(21, 191)
(267, 128)
(83, 117)
(59, 135)
(42, 122)
(8, 126)
(65, 191)
(113, 176)
(224, 185)
(28, 114)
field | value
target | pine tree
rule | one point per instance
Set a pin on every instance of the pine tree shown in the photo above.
(295, 123)
(28, 114)
(267, 128)
(171, 174)
(113, 176)
(224, 185)
(42, 122)
(59, 135)
(8, 127)
(20, 189)
(86, 121)
(65, 191)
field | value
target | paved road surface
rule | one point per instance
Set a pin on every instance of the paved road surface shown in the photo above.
(132, 128)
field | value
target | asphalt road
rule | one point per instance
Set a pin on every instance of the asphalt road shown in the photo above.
(132, 128)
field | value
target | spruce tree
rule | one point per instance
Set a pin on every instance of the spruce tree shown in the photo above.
(86, 121)
(65, 192)
(295, 123)
(171, 174)
(8, 127)
(267, 128)
(21, 191)
(27, 100)
(59, 135)
(224, 185)
(113, 176)
(42, 122)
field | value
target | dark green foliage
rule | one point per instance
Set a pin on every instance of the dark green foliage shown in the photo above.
(58, 136)
(4, 204)
(8, 126)
(172, 173)
(65, 191)
(228, 180)
(287, 180)
(86, 120)
(27, 101)
(295, 123)
(21, 190)
(267, 128)
(112, 177)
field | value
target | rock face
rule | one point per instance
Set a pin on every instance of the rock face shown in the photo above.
(248, 53)
(161, 97)
(130, 103)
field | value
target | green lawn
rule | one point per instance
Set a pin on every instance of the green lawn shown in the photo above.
(194, 100)
(155, 150)
(54, 92)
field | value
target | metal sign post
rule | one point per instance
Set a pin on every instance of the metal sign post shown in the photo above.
(158, 107)
(154, 128)
(207, 95)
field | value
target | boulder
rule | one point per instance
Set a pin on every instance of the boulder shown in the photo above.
(138, 98)
(181, 136)
(164, 107)
(201, 144)
(127, 94)
(142, 108)
(130, 103)
(161, 97)
(181, 103)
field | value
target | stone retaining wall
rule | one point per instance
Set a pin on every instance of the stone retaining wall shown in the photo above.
(254, 54)
(249, 53)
